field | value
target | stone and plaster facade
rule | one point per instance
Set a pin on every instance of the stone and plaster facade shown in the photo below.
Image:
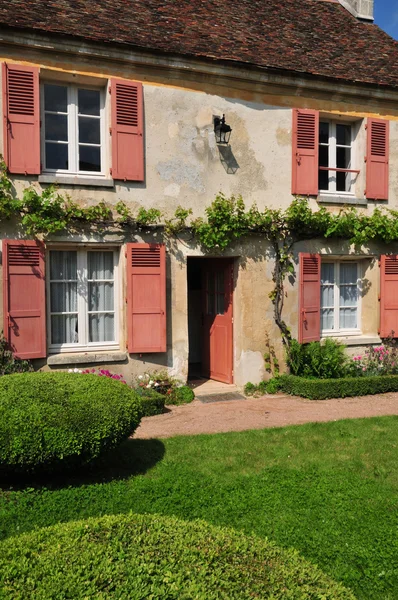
(184, 166)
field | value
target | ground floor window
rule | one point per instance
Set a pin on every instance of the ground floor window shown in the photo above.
(82, 298)
(340, 300)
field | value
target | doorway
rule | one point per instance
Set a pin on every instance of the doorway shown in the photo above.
(210, 318)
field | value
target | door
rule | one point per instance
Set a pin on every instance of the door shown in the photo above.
(217, 319)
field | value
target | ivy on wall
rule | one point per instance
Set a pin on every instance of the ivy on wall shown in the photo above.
(226, 221)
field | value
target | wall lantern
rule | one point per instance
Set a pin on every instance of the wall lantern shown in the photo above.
(222, 131)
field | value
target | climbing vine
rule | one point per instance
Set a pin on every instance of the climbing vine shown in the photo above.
(226, 220)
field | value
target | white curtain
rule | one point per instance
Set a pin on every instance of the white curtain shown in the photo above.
(63, 276)
(101, 319)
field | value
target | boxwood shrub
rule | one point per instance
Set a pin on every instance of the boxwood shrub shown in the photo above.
(151, 556)
(180, 395)
(321, 389)
(152, 402)
(50, 421)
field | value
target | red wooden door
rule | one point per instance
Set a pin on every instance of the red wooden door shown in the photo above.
(217, 319)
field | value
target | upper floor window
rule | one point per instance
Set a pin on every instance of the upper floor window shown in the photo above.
(336, 149)
(72, 129)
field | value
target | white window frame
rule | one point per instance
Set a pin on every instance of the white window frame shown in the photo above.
(332, 145)
(82, 301)
(73, 130)
(339, 331)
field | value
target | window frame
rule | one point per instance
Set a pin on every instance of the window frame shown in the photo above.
(336, 306)
(82, 301)
(332, 154)
(73, 131)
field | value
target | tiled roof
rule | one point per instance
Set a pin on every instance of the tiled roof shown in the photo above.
(317, 37)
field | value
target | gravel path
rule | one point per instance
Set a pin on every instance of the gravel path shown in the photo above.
(258, 413)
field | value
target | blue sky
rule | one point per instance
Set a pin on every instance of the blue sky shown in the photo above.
(386, 16)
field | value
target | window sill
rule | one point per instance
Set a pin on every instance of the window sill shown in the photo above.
(55, 360)
(355, 340)
(336, 199)
(76, 180)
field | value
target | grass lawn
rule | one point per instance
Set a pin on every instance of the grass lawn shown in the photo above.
(329, 490)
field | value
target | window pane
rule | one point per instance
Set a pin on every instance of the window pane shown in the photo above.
(348, 318)
(323, 133)
(57, 156)
(343, 134)
(63, 264)
(101, 328)
(90, 158)
(323, 181)
(348, 295)
(100, 265)
(348, 272)
(324, 156)
(327, 318)
(89, 130)
(56, 127)
(64, 329)
(89, 102)
(343, 182)
(63, 297)
(327, 273)
(343, 158)
(56, 98)
(220, 304)
(101, 296)
(327, 295)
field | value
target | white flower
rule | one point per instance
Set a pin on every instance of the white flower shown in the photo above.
(147, 386)
(139, 376)
(70, 370)
(156, 384)
(151, 382)
(76, 370)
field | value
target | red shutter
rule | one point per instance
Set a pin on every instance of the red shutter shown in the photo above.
(389, 296)
(305, 145)
(21, 119)
(310, 298)
(146, 297)
(377, 159)
(127, 130)
(24, 298)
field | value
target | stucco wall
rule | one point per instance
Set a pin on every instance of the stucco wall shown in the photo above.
(184, 166)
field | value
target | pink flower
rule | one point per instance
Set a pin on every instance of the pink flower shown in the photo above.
(363, 368)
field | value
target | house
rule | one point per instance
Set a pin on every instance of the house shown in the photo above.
(117, 101)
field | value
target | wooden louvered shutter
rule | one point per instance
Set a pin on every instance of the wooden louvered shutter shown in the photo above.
(310, 298)
(377, 159)
(305, 146)
(24, 298)
(146, 297)
(389, 296)
(127, 130)
(21, 119)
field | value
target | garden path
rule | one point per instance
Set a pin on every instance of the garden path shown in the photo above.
(259, 413)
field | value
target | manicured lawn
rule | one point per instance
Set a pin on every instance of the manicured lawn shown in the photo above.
(330, 490)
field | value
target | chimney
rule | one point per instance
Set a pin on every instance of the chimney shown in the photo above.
(361, 9)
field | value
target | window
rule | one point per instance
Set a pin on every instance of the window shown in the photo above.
(72, 129)
(339, 297)
(336, 172)
(82, 299)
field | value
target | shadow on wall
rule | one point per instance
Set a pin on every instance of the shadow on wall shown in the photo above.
(228, 160)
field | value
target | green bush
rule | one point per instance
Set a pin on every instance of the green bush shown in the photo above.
(180, 395)
(51, 421)
(151, 556)
(321, 389)
(325, 360)
(8, 363)
(250, 389)
(152, 402)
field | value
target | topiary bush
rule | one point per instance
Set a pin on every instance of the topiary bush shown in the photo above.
(180, 395)
(53, 421)
(151, 556)
(152, 402)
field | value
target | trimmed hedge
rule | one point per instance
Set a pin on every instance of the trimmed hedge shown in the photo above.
(152, 402)
(151, 556)
(180, 395)
(321, 389)
(52, 421)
